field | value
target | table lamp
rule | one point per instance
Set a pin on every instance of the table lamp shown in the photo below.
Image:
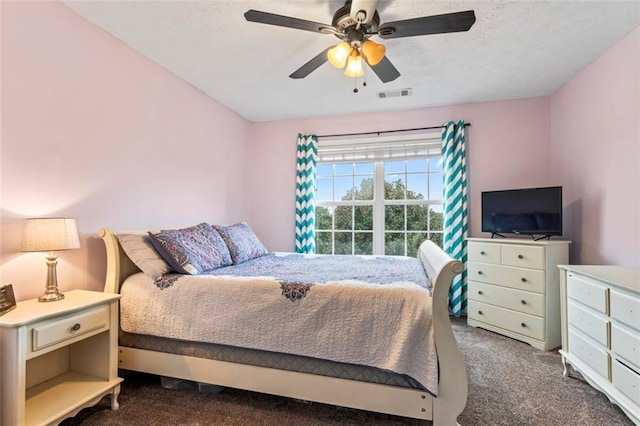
(50, 235)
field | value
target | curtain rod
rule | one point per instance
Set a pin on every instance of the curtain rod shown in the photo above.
(379, 132)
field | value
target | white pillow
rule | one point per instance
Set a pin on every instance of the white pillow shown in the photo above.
(143, 254)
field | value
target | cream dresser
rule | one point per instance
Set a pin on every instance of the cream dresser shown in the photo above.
(513, 288)
(601, 330)
(57, 358)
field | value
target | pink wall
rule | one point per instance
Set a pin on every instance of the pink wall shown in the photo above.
(508, 147)
(91, 129)
(595, 154)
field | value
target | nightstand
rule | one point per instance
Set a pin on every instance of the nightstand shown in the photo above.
(59, 357)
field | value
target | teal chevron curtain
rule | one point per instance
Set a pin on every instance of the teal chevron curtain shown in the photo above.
(305, 193)
(455, 209)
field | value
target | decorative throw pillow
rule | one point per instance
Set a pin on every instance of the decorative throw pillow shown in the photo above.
(143, 255)
(192, 250)
(243, 244)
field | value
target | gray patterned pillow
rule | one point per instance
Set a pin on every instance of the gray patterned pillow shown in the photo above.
(192, 250)
(242, 242)
(143, 255)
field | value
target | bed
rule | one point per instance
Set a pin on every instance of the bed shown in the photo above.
(404, 386)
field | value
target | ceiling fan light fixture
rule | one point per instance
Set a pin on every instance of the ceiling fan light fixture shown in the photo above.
(354, 65)
(339, 54)
(373, 51)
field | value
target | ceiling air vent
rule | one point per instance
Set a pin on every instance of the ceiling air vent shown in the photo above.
(394, 93)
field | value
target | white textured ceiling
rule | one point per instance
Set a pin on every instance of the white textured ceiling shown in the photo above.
(516, 49)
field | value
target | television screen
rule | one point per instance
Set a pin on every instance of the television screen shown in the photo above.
(530, 211)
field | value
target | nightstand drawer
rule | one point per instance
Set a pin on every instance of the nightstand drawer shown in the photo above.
(589, 323)
(50, 333)
(588, 293)
(625, 308)
(588, 351)
(626, 380)
(482, 252)
(523, 256)
(518, 300)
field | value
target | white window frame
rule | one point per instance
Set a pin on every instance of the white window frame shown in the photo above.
(377, 151)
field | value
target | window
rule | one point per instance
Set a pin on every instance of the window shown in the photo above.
(386, 205)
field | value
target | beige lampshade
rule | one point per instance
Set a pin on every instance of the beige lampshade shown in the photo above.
(50, 234)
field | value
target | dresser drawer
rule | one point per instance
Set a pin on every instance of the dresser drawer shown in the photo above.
(626, 309)
(588, 293)
(518, 278)
(517, 322)
(518, 300)
(626, 344)
(626, 381)
(589, 323)
(60, 330)
(483, 252)
(589, 352)
(523, 256)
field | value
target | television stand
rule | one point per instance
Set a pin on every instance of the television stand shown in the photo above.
(499, 235)
(548, 237)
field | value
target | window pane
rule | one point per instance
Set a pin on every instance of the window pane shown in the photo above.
(394, 166)
(323, 242)
(344, 169)
(394, 218)
(324, 169)
(435, 186)
(344, 188)
(419, 165)
(344, 219)
(364, 188)
(363, 218)
(324, 189)
(435, 164)
(417, 186)
(394, 244)
(417, 218)
(436, 218)
(436, 238)
(394, 187)
(364, 168)
(323, 218)
(413, 242)
(363, 243)
(343, 243)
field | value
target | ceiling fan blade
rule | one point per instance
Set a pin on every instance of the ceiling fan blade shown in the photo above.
(385, 70)
(437, 24)
(312, 65)
(368, 7)
(284, 21)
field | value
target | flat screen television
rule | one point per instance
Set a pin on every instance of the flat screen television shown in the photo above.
(527, 211)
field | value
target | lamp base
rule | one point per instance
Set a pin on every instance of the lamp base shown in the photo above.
(51, 297)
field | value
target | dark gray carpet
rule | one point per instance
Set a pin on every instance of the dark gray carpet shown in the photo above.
(510, 383)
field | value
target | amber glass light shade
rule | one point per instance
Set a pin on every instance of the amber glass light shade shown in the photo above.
(339, 54)
(373, 51)
(354, 64)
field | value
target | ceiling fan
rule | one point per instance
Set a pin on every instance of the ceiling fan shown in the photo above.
(355, 23)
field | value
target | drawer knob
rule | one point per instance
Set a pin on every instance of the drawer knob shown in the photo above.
(480, 292)
(524, 302)
(75, 327)
(479, 312)
(523, 325)
(520, 256)
(479, 272)
(482, 253)
(524, 280)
